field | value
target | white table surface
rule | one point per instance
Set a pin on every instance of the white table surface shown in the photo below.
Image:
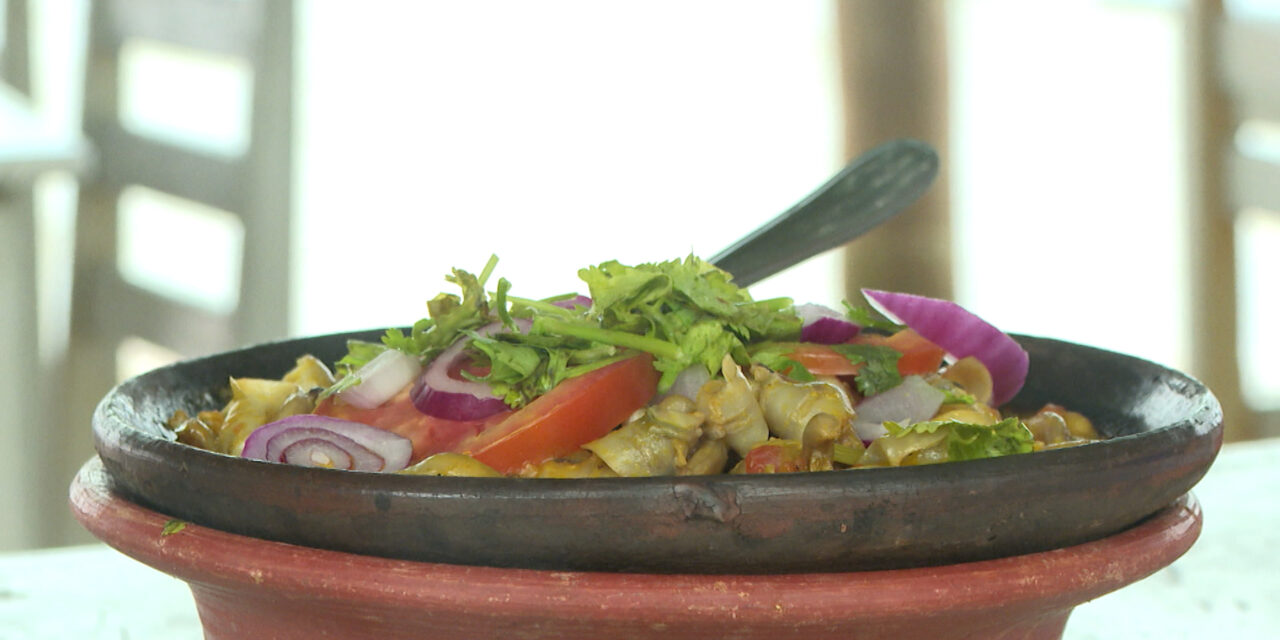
(1226, 586)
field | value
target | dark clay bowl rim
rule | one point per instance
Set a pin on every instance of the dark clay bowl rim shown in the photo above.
(580, 523)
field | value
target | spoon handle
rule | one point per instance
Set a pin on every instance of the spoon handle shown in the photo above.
(868, 191)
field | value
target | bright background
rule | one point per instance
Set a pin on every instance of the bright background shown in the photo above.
(431, 134)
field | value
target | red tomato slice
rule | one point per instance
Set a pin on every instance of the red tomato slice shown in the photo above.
(577, 411)
(919, 356)
(398, 415)
(822, 360)
(775, 457)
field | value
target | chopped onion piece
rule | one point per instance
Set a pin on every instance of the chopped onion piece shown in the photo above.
(908, 403)
(381, 378)
(320, 441)
(441, 393)
(688, 383)
(961, 334)
(824, 325)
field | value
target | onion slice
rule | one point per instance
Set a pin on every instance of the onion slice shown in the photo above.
(824, 325)
(381, 378)
(960, 334)
(908, 403)
(688, 383)
(320, 441)
(441, 393)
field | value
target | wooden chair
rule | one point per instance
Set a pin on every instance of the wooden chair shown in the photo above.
(1232, 83)
(15, 57)
(254, 186)
(30, 147)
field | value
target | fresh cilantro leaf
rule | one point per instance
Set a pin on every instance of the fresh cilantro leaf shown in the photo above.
(453, 315)
(776, 356)
(512, 369)
(684, 312)
(880, 372)
(528, 308)
(173, 526)
(705, 343)
(704, 286)
(487, 270)
(418, 342)
(619, 292)
(867, 318)
(500, 303)
(772, 320)
(359, 352)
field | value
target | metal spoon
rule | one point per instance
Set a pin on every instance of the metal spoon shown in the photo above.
(870, 190)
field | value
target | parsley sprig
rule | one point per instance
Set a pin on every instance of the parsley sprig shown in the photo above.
(685, 312)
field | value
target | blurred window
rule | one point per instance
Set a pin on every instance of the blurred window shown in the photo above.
(553, 134)
(185, 97)
(1069, 209)
(180, 249)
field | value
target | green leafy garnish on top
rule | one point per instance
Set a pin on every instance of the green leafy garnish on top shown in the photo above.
(685, 312)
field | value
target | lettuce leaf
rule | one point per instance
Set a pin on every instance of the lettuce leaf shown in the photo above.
(955, 395)
(967, 441)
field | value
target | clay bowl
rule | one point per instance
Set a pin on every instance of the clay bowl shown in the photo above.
(1165, 430)
(251, 588)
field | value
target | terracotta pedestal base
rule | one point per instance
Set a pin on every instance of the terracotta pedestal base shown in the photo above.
(250, 588)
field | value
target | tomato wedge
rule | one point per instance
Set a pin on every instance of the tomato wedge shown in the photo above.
(398, 415)
(919, 356)
(775, 456)
(822, 360)
(577, 411)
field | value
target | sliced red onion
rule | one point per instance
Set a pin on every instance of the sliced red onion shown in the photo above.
(961, 334)
(320, 441)
(824, 325)
(381, 378)
(912, 401)
(438, 393)
(314, 449)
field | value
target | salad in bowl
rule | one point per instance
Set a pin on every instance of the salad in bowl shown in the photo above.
(658, 369)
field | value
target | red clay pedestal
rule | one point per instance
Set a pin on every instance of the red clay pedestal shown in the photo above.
(250, 588)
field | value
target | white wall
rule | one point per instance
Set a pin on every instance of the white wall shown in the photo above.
(565, 133)
(554, 134)
(1069, 156)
